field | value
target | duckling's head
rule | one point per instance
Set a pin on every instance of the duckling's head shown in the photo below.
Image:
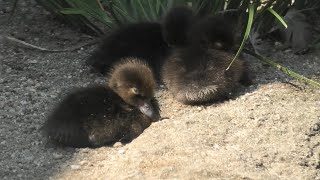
(134, 82)
(176, 24)
(213, 32)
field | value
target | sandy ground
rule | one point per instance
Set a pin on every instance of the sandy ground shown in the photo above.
(270, 130)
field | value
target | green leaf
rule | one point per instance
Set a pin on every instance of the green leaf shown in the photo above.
(278, 17)
(73, 11)
(246, 35)
(88, 8)
(283, 69)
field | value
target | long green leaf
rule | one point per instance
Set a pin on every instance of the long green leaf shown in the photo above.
(278, 17)
(88, 8)
(283, 69)
(246, 35)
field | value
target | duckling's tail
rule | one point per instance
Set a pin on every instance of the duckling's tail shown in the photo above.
(69, 134)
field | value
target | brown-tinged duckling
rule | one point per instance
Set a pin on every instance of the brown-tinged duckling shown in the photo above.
(98, 115)
(196, 75)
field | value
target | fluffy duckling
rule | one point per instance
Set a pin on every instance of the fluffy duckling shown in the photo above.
(196, 75)
(176, 25)
(196, 72)
(141, 40)
(214, 32)
(182, 27)
(96, 116)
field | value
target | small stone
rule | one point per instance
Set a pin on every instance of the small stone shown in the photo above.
(83, 162)
(32, 89)
(8, 70)
(216, 146)
(29, 158)
(57, 156)
(23, 102)
(75, 167)
(117, 144)
(33, 62)
(1, 105)
(121, 151)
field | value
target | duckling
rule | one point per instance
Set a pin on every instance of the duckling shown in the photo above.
(196, 75)
(141, 40)
(214, 32)
(96, 116)
(182, 27)
(176, 24)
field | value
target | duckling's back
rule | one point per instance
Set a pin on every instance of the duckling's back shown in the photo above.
(86, 113)
(199, 75)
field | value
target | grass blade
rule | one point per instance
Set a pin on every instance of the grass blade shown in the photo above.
(246, 35)
(278, 17)
(284, 69)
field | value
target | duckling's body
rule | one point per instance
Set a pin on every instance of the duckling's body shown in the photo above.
(98, 115)
(196, 75)
(196, 71)
(141, 40)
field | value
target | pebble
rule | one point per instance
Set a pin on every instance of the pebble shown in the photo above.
(121, 151)
(117, 144)
(83, 162)
(75, 167)
(29, 158)
(1, 105)
(23, 102)
(8, 70)
(57, 156)
(316, 127)
(33, 62)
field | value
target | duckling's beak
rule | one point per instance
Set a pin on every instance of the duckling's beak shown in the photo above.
(147, 109)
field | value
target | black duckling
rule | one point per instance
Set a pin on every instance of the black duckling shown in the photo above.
(96, 116)
(196, 75)
(176, 25)
(141, 40)
(182, 27)
(216, 32)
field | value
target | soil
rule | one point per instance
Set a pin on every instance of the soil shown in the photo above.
(270, 130)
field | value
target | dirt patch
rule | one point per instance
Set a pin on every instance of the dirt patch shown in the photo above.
(270, 130)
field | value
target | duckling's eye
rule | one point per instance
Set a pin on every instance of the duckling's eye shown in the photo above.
(134, 90)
